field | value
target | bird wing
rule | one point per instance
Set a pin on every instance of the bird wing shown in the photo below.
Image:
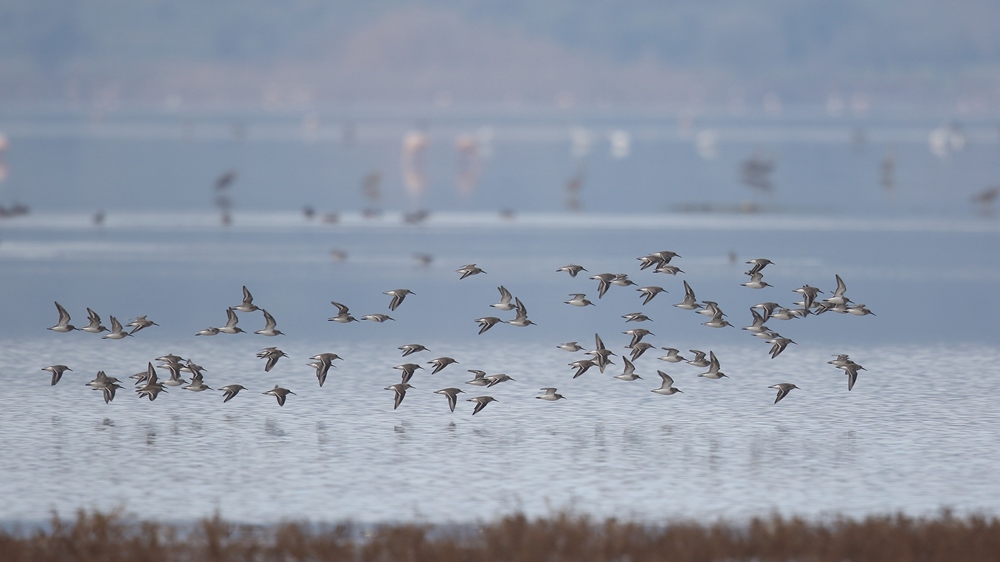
(505, 296)
(269, 323)
(63, 315)
(668, 381)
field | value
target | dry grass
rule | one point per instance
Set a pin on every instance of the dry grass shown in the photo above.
(110, 537)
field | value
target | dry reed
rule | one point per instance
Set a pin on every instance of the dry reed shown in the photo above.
(112, 537)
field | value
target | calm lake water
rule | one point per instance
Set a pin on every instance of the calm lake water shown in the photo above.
(917, 433)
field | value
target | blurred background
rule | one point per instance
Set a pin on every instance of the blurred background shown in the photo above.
(589, 53)
(776, 106)
(156, 156)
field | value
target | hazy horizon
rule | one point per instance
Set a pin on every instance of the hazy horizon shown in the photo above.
(443, 52)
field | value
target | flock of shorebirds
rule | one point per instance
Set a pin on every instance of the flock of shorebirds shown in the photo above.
(149, 384)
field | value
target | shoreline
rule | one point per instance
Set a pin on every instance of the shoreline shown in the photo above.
(117, 535)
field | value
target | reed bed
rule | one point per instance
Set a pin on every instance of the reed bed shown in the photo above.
(111, 537)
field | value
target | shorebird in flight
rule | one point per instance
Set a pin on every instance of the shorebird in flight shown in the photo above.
(116, 332)
(487, 322)
(397, 297)
(505, 298)
(521, 320)
(139, 323)
(94, 325)
(247, 305)
(231, 320)
(647, 293)
(400, 390)
(666, 386)
(63, 324)
(343, 315)
(452, 394)
(57, 372)
(783, 389)
(572, 269)
(231, 390)
(269, 326)
(481, 402)
(550, 395)
(757, 265)
(279, 393)
(467, 270)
